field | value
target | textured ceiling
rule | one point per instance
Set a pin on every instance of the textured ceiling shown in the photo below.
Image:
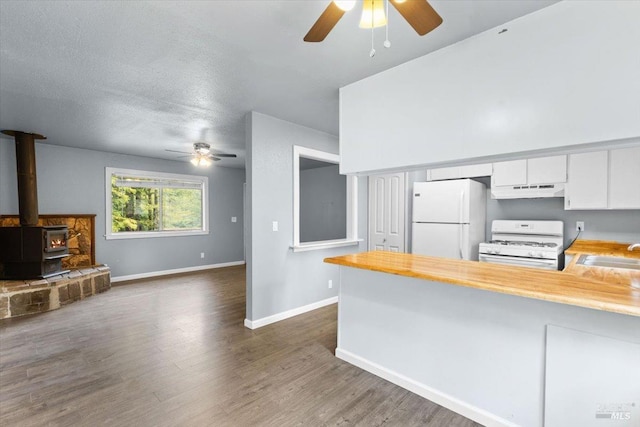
(141, 77)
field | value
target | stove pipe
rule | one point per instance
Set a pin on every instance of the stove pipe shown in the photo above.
(27, 182)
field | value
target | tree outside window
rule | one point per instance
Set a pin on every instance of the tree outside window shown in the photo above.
(148, 204)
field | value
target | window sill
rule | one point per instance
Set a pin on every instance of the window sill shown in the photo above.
(153, 234)
(329, 244)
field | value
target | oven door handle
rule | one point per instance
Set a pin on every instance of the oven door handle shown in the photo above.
(531, 262)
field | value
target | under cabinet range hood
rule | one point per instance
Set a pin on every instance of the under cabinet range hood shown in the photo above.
(536, 191)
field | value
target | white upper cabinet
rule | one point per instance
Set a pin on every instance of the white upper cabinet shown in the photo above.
(547, 170)
(458, 172)
(513, 172)
(588, 181)
(624, 178)
(537, 171)
(604, 180)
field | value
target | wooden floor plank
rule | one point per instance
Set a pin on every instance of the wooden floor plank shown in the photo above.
(173, 351)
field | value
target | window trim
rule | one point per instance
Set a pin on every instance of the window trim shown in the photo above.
(110, 235)
(352, 203)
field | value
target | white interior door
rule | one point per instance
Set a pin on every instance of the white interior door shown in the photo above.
(387, 212)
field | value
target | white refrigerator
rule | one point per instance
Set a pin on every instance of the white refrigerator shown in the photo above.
(448, 218)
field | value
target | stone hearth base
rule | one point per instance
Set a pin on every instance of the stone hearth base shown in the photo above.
(21, 297)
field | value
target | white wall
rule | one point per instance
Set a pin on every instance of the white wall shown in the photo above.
(278, 279)
(564, 76)
(72, 181)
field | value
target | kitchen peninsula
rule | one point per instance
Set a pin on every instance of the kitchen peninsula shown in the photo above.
(491, 342)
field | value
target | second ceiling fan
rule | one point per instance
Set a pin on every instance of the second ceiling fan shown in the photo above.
(202, 154)
(418, 13)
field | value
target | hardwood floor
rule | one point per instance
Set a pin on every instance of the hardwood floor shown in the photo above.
(174, 351)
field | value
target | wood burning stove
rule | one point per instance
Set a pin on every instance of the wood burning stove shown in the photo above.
(29, 251)
(32, 252)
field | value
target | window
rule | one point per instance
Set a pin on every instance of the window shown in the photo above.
(324, 202)
(153, 204)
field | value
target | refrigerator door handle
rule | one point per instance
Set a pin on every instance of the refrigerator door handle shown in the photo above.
(460, 243)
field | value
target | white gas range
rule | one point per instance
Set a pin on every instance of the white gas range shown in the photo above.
(537, 244)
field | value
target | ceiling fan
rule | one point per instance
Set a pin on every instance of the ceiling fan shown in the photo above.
(202, 154)
(418, 13)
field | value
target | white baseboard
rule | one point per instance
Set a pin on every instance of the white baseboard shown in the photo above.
(443, 399)
(255, 324)
(174, 271)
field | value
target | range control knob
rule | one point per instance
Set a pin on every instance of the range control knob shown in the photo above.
(540, 255)
(532, 254)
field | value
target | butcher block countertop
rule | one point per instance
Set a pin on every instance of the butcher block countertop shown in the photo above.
(561, 287)
(603, 274)
(602, 248)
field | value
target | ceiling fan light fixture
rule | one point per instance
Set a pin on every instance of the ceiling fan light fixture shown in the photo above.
(201, 148)
(194, 161)
(345, 5)
(373, 15)
(204, 161)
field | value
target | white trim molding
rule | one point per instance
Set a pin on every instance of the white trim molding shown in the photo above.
(149, 274)
(327, 244)
(443, 399)
(352, 202)
(255, 324)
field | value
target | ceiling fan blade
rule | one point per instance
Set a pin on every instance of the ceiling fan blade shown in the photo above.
(325, 23)
(224, 155)
(174, 151)
(419, 14)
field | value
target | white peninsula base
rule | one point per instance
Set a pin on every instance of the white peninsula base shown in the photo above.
(477, 352)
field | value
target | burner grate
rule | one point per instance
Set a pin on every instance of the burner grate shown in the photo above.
(523, 243)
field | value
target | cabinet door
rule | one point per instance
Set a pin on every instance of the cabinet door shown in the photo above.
(547, 170)
(457, 172)
(588, 176)
(624, 178)
(509, 173)
(443, 173)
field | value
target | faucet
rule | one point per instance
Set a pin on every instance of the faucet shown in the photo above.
(633, 246)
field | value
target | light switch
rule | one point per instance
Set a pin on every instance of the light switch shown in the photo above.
(234, 219)
(274, 225)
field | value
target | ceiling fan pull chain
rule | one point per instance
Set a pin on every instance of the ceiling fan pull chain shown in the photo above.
(387, 43)
(373, 51)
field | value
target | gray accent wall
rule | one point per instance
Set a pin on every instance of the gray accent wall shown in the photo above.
(72, 181)
(618, 225)
(279, 279)
(323, 204)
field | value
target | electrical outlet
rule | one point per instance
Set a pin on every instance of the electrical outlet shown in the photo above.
(330, 284)
(202, 255)
(234, 219)
(579, 225)
(274, 225)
